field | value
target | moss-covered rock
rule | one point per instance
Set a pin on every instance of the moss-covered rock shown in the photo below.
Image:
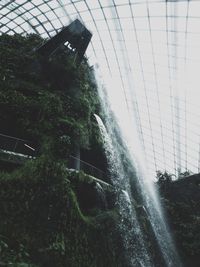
(42, 223)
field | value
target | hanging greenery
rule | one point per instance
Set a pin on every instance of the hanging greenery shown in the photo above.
(50, 103)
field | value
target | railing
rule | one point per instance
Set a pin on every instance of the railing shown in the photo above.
(16, 145)
(86, 167)
(19, 150)
(15, 149)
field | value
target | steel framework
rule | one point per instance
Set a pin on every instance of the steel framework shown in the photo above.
(151, 49)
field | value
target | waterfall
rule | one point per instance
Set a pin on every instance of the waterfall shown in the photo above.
(136, 253)
(161, 250)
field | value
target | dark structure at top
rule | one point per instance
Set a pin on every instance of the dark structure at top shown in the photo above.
(75, 37)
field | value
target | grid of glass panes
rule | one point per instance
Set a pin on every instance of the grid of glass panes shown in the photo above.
(151, 49)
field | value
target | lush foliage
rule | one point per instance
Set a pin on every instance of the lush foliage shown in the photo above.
(49, 102)
(42, 223)
(182, 205)
(50, 216)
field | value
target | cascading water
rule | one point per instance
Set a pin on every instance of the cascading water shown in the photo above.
(136, 240)
(136, 254)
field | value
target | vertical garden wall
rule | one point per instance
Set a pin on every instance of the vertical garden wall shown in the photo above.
(51, 104)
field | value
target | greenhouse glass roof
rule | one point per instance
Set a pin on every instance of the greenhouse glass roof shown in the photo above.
(150, 49)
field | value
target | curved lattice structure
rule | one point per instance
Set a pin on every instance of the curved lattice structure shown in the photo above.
(151, 49)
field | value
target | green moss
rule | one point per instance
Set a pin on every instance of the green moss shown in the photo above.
(50, 103)
(42, 223)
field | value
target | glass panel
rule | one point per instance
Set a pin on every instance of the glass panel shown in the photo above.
(139, 10)
(110, 13)
(121, 2)
(97, 14)
(42, 18)
(106, 3)
(93, 4)
(157, 9)
(124, 11)
(81, 6)
(28, 6)
(36, 12)
(70, 9)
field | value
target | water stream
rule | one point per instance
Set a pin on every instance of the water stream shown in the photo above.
(146, 237)
(136, 253)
